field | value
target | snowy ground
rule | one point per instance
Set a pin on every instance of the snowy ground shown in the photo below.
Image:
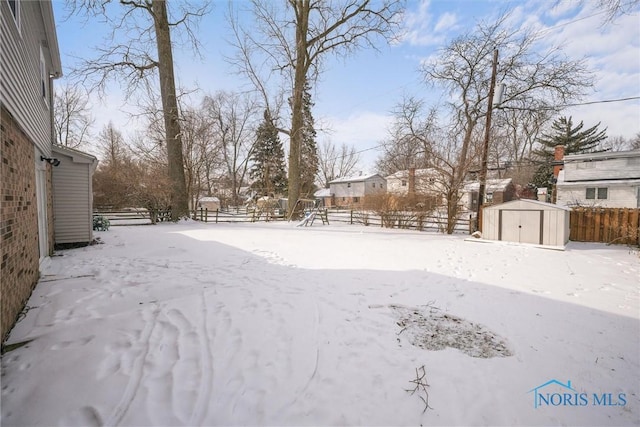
(269, 324)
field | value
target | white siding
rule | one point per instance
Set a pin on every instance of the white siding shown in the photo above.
(72, 201)
(20, 70)
(602, 169)
(619, 195)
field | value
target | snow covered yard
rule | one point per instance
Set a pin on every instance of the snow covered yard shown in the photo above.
(269, 324)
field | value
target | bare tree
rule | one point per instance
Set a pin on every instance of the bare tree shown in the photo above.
(534, 81)
(294, 41)
(134, 61)
(409, 136)
(234, 118)
(334, 162)
(613, 9)
(72, 116)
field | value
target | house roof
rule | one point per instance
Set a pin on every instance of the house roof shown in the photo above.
(77, 155)
(209, 199)
(323, 192)
(491, 185)
(403, 174)
(358, 178)
(601, 156)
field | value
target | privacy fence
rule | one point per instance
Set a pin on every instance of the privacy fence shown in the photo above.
(606, 225)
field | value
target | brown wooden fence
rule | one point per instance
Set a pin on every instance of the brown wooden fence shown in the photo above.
(607, 225)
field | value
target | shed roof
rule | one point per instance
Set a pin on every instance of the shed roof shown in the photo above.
(358, 178)
(77, 155)
(527, 204)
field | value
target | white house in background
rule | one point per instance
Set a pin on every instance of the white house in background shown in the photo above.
(421, 181)
(609, 180)
(209, 203)
(353, 191)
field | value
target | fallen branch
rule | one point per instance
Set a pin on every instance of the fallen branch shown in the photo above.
(421, 387)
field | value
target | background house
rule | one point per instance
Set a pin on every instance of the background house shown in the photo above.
(29, 60)
(73, 196)
(353, 191)
(209, 203)
(496, 191)
(610, 179)
(418, 182)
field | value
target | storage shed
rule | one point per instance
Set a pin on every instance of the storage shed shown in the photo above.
(526, 221)
(209, 203)
(73, 196)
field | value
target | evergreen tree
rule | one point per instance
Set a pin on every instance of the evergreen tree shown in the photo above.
(308, 148)
(575, 141)
(268, 171)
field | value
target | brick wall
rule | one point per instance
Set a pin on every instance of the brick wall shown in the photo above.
(18, 221)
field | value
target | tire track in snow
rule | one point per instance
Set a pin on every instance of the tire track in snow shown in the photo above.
(204, 393)
(138, 369)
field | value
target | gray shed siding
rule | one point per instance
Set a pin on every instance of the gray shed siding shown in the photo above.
(72, 200)
(20, 69)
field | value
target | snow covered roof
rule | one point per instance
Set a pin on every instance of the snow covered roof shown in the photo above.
(323, 192)
(601, 156)
(403, 174)
(209, 199)
(358, 178)
(490, 186)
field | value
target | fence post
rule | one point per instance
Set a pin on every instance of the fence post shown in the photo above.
(217, 215)
(206, 214)
(351, 217)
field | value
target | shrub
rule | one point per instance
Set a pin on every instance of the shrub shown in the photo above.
(100, 223)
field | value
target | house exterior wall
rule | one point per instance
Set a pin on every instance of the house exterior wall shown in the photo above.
(19, 266)
(72, 200)
(619, 195)
(628, 167)
(617, 172)
(354, 193)
(29, 56)
(23, 91)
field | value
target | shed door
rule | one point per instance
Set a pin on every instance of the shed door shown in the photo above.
(521, 226)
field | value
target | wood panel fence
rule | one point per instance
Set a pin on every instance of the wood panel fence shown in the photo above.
(606, 225)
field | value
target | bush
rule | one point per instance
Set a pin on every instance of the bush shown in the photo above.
(100, 223)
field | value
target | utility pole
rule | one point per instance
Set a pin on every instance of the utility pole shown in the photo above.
(485, 150)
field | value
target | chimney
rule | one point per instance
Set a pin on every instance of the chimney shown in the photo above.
(558, 156)
(412, 182)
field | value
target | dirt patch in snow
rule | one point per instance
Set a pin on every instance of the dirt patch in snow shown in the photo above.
(431, 329)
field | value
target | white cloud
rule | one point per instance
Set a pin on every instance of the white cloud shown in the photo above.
(446, 22)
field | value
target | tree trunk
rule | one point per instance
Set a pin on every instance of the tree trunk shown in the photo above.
(297, 119)
(179, 198)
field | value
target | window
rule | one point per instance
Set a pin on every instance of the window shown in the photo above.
(356, 199)
(348, 185)
(14, 5)
(373, 184)
(600, 193)
(44, 77)
(404, 183)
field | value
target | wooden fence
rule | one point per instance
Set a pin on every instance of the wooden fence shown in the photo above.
(606, 225)
(404, 220)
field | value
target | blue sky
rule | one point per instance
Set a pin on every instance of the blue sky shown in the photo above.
(355, 95)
